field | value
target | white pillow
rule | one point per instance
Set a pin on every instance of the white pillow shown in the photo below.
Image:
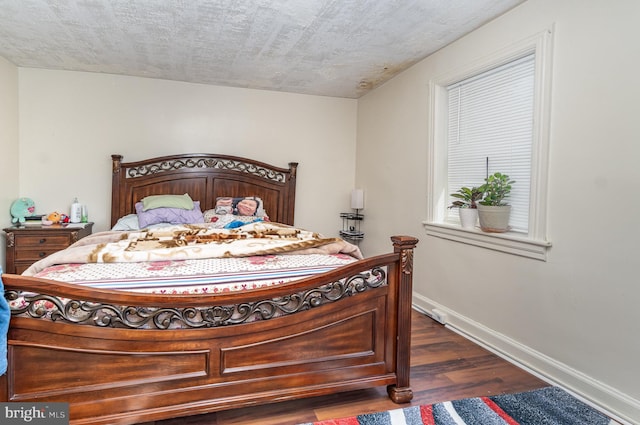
(127, 223)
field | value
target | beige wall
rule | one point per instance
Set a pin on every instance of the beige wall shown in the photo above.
(574, 318)
(9, 138)
(71, 122)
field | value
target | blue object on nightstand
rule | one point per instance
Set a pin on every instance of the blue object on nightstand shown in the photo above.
(21, 208)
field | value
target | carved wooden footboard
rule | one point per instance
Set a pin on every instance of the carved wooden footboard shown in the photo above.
(124, 358)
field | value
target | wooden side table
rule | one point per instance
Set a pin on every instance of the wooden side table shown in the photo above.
(30, 243)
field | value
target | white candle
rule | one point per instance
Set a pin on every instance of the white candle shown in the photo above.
(357, 199)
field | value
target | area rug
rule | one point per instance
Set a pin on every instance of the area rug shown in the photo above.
(548, 406)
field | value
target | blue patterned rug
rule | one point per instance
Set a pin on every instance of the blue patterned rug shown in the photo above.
(548, 406)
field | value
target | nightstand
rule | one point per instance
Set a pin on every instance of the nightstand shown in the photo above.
(32, 242)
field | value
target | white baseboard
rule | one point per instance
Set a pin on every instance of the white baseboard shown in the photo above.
(612, 402)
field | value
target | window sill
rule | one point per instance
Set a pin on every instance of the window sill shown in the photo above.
(509, 242)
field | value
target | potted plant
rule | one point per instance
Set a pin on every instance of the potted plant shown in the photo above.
(467, 205)
(493, 210)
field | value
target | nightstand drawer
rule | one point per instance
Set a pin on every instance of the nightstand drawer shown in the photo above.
(21, 267)
(34, 255)
(58, 242)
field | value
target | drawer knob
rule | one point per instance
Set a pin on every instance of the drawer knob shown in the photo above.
(43, 240)
(42, 254)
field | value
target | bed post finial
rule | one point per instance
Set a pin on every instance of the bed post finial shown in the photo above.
(293, 166)
(404, 245)
(116, 159)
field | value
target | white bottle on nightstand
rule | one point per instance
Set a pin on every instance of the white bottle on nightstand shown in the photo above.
(75, 215)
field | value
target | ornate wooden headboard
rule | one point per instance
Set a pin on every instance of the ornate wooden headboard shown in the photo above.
(204, 177)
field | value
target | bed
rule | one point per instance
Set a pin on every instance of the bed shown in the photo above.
(343, 329)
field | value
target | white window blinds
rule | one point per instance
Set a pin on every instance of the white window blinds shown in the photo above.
(490, 129)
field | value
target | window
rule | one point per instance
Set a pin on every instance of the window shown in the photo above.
(490, 129)
(493, 117)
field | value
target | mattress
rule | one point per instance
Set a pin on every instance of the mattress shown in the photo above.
(197, 276)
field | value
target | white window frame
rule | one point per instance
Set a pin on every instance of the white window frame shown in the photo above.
(535, 243)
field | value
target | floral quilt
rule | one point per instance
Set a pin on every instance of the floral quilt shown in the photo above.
(201, 241)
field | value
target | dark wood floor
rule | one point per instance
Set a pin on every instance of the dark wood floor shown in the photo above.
(444, 366)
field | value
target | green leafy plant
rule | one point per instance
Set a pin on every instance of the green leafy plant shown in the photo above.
(496, 189)
(467, 197)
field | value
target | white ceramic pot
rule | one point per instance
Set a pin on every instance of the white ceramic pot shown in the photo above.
(468, 217)
(494, 219)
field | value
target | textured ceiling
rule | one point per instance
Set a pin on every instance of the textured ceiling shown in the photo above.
(340, 48)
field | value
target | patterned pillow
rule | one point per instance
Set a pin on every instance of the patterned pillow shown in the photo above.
(168, 215)
(242, 206)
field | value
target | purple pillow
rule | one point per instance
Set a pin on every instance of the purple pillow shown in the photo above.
(168, 215)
